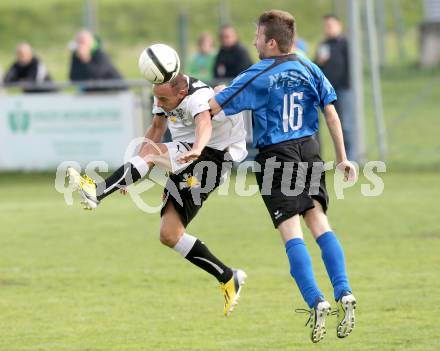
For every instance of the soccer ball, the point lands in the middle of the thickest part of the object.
(159, 63)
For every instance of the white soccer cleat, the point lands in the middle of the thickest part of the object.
(345, 313)
(317, 316)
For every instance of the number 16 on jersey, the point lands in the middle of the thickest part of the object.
(292, 112)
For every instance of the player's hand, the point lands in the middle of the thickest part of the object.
(189, 156)
(123, 191)
(349, 170)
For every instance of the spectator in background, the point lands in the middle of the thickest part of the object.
(202, 63)
(332, 58)
(28, 68)
(232, 58)
(89, 63)
(301, 46)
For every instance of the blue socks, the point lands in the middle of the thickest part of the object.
(333, 257)
(301, 267)
(301, 270)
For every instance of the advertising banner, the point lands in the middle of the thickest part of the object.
(39, 131)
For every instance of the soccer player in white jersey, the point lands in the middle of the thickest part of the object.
(182, 106)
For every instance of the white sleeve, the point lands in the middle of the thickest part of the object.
(156, 110)
(220, 116)
(199, 101)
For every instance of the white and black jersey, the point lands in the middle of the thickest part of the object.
(228, 132)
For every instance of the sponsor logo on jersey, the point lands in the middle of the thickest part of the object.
(189, 181)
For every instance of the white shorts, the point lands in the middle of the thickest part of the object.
(175, 149)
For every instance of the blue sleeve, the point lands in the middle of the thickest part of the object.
(327, 94)
(242, 94)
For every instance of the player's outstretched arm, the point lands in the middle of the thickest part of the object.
(157, 129)
(154, 133)
(213, 104)
(334, 126)
(203, 134)
(215, 107)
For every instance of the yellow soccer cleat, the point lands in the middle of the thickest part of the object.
(231, 290)
(86, 188)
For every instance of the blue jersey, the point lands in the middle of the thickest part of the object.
(284, 94)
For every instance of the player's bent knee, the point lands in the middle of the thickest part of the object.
(149, 150)
(168, 237)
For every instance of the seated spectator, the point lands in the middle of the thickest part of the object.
(90, 63)
(28, 68)
(233, 58)
(202, 63)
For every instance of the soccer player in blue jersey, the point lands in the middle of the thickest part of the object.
(284, 92)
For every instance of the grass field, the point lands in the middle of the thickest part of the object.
(73, 280)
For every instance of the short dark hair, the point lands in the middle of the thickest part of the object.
(331, 16)
(280, 26)
(178, 83)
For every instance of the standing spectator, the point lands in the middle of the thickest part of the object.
(299, 48)
(332, 58)
(27, 68)
(89, 62)
(233, 58)
(202, 63)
